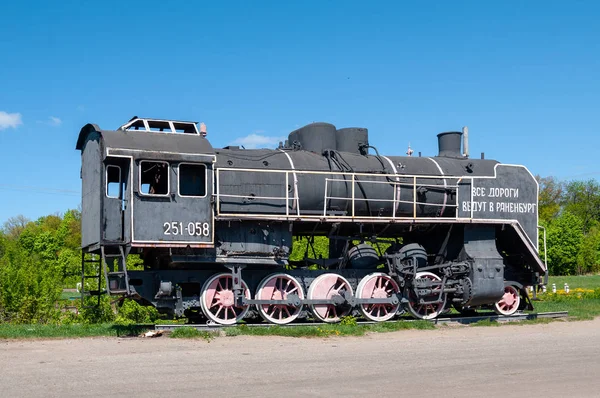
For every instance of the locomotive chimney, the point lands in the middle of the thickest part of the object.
(449, 144)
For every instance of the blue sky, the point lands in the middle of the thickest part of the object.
(523, 75)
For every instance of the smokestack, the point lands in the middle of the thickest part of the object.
(449, 144)
(465, 131)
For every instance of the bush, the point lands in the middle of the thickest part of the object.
(90, 312)
(132, 312)
(564, 238)
(348, 321)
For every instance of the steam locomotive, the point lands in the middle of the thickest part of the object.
(215, 227)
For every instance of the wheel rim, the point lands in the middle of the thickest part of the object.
(218, 299)
(510, 301)
(426, 311)
(279, 287)
(325, 287)
(378, 285)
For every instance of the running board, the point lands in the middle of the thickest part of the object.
(536, 260)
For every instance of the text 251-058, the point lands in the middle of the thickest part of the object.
(191, 228)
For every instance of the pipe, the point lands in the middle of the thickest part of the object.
(465, 131)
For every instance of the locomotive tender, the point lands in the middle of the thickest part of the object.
(215, 227)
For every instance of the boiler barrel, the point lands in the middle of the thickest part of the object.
(331, 189)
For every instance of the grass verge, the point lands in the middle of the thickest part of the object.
(11, 331)
(187, 332)
(582, 303)
(579, 310)
(582, 281)
(326, 330)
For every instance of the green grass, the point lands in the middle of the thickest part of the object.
(579, 308)
(486, 322)
(69, 295)
(490, 322)
(327, 330)
(187, 332)
(581, 305)
(11, 331)
(583, 281)
(584, 309)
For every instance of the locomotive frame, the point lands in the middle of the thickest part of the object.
(473, 252)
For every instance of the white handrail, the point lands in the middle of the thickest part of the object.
(348, 177)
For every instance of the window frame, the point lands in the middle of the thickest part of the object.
(179, 179)
(120, 182)
(160, 195)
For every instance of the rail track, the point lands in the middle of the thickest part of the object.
(457, 319)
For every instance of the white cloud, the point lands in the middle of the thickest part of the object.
(254, 140)
(54, 121)
(8, 120)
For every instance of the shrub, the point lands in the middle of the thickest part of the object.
(132, 312)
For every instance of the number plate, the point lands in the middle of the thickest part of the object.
(183, 228)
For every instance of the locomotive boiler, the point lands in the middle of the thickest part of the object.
(215, 227)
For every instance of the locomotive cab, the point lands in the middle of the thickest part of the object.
(148, 184)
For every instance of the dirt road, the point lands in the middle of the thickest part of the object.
(553, 360)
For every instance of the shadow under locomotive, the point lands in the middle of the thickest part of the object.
(215, 228)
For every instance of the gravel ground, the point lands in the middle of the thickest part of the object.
(551, 360)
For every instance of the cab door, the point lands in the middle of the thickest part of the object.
(116, 172)
(172, 203)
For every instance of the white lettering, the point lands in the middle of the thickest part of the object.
(191, 228)
(475, 206)
(510, 207)
(478, 192)
(503, 192)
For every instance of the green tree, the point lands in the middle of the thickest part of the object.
(302, 248)
(550, 196)
(582, 199)
(14, 225)
(37, 259)
(564, 237)
(588, 258)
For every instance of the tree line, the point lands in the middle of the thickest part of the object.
(570, 212)
(40, 258)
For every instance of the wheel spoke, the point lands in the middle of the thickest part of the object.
(278, 287)
(218, 300)
(430, 310)
(378, 286)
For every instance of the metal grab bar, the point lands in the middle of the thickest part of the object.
(347, 177)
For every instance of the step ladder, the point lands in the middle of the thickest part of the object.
(97, 275)
(112, 264)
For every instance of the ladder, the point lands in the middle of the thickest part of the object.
(112, 264)
(97, 275)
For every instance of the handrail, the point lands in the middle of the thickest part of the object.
(545, 253)
(392, 180)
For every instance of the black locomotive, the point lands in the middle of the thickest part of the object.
(215, 227)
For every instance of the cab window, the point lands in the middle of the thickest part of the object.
(114, 187)
(192, 180)
(154, 178)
